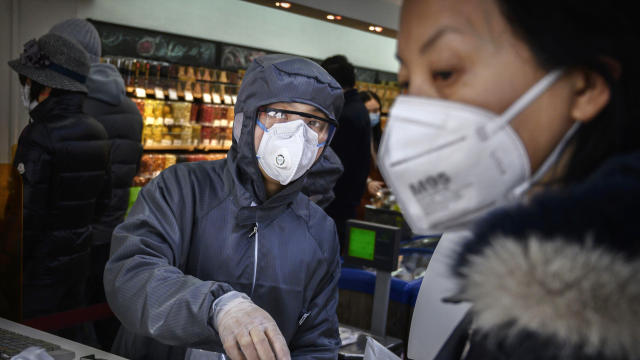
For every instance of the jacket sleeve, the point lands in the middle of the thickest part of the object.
(318, 336)
(144, 284)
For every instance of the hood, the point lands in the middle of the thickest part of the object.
(270, 79)
(105, 84)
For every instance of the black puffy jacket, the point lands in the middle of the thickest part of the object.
(63, 156)
(120, 117)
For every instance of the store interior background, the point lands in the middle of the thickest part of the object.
(230, 21)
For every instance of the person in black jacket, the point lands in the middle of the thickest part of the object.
(63, 157)
(352, 143)
(107, 102)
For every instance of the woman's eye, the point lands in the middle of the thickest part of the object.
(313, 124)
(442, 75)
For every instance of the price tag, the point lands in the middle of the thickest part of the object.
(227, 100)
(141, 93)
(228, 143)
(188, 95)
(168, 121)
(159, 93)
(149, 142)
(149, 120)
(224, 123)
(234, 98)
(216, 123)
(216, 99)
(206, 97)
(173, 94)
(165, 142)
(177, 142)
(206, 142)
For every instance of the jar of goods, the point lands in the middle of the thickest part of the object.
(158, 131)
(186, 134)
(169, 160)
(206, 134)
(196, 138)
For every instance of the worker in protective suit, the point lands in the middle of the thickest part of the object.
(229, 256)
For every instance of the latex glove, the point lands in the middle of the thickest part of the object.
(246, 330)
(33, 353)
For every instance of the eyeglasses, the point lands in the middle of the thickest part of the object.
(321, 126)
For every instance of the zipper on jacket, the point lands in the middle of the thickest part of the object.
(255, 256)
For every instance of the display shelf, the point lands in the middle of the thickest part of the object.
(170, 147)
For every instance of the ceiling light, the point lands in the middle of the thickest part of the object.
(378, 28)
(285, 5)
(372, 28)
(338, 17)
(330, 17)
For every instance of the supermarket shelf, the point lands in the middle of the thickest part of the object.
(185, 148)
(170, 147)
(212, 148)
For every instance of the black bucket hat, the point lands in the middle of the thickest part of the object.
(54, 61)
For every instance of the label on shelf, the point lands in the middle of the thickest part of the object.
(234, 98)
(168, 121)
(217, 99)
(141, 93)
(216, 123)
(188, 95)
(227, 143)
(159, 93)
(149, 142)
(228, 100)
(149, 120)
(231, 123)
(159, 121)
(165, 142)
(206, 97)
(177, 142)
(224, 123)
(206, 142)
(173, 94)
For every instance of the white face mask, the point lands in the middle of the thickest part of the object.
(449, 163)
(287, 150)
(25, 95)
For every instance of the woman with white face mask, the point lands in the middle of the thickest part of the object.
(520, 134)
(372, 103)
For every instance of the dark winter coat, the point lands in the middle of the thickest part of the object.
(559, 278)
(107, 102)
(63, 157)
(352, 144)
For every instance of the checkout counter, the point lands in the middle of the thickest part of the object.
(380, 281)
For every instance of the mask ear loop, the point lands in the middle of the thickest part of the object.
(548, 162)
(525, 100)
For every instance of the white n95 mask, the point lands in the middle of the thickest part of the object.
(287, 150)
(449, 163)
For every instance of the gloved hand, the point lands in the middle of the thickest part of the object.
(247, 331)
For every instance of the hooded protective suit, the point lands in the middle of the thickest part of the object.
(193, 235)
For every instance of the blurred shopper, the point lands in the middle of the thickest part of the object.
(511, 98)
(107, 102)
(372, 103)
(229, 256)
(319, 182)
(63, 158)
(351, 143)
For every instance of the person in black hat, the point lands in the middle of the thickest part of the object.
(62, 156)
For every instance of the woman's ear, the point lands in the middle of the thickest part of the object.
(592, 94)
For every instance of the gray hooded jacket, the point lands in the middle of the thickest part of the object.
(189, 239)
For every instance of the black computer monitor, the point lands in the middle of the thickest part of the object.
(372, 245)
(388, 217)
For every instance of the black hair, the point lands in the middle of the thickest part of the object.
(340, 69)
(367, 95)
(37, 88)
(599, 36)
